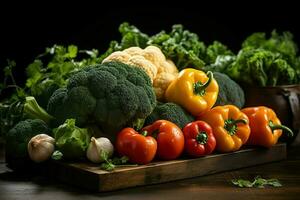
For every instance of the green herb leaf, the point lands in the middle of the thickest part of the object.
(108, 166)
(104, 155)
(242, 183)
(120, 161)
(72, 51)
(258, 182)
(111, 164)
(57, 155)
(274, 182)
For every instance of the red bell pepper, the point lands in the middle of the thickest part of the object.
(199, 139)
(139, 148)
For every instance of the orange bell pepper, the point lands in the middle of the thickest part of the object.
(194, 90)
(230, 127)
(265, 127)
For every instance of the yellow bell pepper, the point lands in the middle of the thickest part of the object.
(194, 90)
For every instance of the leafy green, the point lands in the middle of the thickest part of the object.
(221, 64)
(131, 36)
(9, 82)
(216, 49)
(277, 43)
(57, 155)
(72, 141)
(284, 47)
(258, 182)
(181, 46)
(55, 73)
(111, 164)
(48, 72)
(261, 67)
(108, 164)
(11, 112)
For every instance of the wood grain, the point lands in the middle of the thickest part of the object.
(90, 176)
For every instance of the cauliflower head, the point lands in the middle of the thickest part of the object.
(151, 59)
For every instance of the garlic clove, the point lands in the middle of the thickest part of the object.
(41, 147)
(95, 148)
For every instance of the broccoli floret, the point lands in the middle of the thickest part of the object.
(112, 95)
(44, 95)
(171, 112)
(17, 139)
(229, 91)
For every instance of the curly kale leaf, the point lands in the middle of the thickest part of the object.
(181, 46)
(261, 67)
(282, 44)
(216, 49)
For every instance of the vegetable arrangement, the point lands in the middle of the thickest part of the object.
(146, 98)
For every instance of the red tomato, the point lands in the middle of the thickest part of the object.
(139, 148)
(169, 137)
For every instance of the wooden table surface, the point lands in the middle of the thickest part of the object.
(217, 186)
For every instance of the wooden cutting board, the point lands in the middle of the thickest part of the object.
(90, 176)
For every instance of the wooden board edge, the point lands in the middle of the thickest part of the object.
(166, 172)
(148, 176)
(73, 176)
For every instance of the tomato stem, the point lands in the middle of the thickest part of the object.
(144, 133)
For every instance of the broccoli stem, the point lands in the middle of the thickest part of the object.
(137, 124)
(34, 111)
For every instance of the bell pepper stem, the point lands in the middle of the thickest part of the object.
(137, 124)
(240, 121)
(199, 88)
(202, 138)
(230, 125)
(282, 127)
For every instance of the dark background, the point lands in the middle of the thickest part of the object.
(27, 30)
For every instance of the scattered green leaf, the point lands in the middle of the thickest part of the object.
(111, 164)
(258, 182)
(57, 155)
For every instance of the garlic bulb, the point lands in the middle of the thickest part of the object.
(40, 147)
(98, 145)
